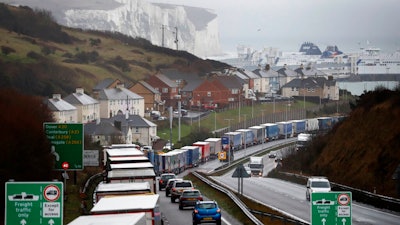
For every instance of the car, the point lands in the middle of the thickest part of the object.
(178, 187)
(272, 155)
(189, 198)
(206, 212)
(317, 184)
(169, 186)
(162, 182)
(161, 118)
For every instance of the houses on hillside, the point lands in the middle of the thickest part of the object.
(116, 110)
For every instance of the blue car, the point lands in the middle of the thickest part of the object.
(206, 212)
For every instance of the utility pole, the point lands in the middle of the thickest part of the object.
(162, 35)
(176, 37)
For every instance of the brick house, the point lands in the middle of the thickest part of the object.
(167, 88)
(152, 97)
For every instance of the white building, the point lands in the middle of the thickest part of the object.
(120, 100)
(63, 112)
(88, 108)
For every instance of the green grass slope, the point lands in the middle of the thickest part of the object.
(40, 57)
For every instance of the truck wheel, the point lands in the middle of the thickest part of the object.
(172, 199)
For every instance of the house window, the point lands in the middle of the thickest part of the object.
(137, 130)
(165, 90)
(208, 93)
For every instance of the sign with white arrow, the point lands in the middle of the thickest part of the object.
(331, 208)
(34, 203)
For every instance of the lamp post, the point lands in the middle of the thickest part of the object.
(229, 124)
(215, 123)
(245, 117)
(262, 116)
(252, 109)
(239, 107)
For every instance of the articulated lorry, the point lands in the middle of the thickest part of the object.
(256, 165)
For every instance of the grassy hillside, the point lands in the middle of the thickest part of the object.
(40, 57)
(363, 150)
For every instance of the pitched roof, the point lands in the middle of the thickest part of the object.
(192, 85)
(230, 82)
(118, 93)
(166, 80)
(285, 71)
(266, 73)
(80, 98)
(174, 74)
(104, 84)
(132, 121)
(58, 104)
(101, 128)
(148, 86)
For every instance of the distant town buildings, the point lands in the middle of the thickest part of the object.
(117, 112)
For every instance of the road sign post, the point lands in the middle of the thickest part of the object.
(66, 144)
(34, 203)
(331, 208)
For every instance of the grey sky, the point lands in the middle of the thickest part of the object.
(288, 23)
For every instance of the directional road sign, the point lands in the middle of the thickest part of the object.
(34, 203)
(66, 144)
(331, 208)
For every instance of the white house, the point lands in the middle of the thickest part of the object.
(63, 112)
(87, 107)
(135, 128)
(120, 100)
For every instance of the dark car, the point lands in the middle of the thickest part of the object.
(169, 185)
(162, 182)
(189, 198)
(206, 212)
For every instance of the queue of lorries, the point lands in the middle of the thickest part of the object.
(128, 195)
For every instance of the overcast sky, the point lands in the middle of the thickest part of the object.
(286, 24)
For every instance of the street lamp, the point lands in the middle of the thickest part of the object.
(215, 123)
(262, 116)
(229, 124)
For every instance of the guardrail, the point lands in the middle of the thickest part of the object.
(376, 200)
(236, 200)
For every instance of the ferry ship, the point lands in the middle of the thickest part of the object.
(372, 62)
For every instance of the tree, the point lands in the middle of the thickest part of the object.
(25, 148)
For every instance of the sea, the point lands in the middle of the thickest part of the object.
(358, 88)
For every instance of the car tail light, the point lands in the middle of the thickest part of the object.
(200, 198)
(218, 210)
(196, 211)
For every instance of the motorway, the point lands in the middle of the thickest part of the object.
(289, 198)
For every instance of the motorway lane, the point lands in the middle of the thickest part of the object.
(174, 216)
(290, 198)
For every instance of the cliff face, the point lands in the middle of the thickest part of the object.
(178, 27)
(197, 28)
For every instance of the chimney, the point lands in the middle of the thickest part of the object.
(57, 97)
(79, 91)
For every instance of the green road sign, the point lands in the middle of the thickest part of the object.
(34, 203)
(66, 144)
(331, 208)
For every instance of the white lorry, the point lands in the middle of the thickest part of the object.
(256, 165)
(302, 141)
